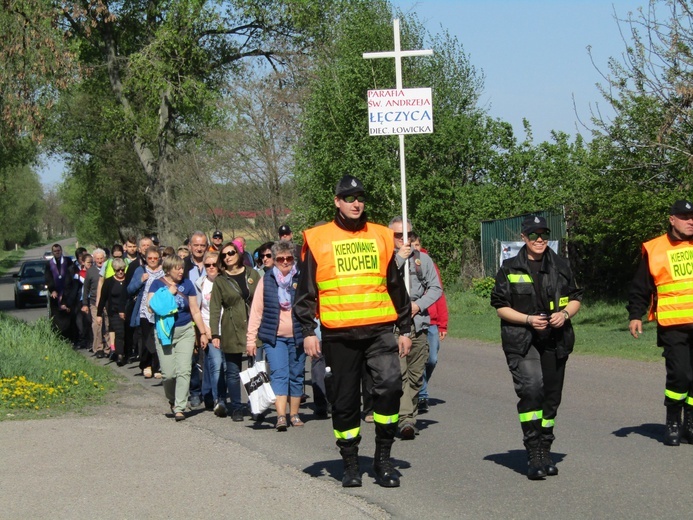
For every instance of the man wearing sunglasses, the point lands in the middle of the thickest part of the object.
(535, 297)
(663, 284)
(424, 291)
(349, 279)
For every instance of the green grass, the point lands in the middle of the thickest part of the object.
(41, 375)
(8, 259)
(601, 329)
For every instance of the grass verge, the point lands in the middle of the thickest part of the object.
(41, 375)
(601, 329)
(8, 259)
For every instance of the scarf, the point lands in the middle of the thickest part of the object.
(144, 308)
(59, 274)
(284, 282)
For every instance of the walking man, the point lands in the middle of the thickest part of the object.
(349, 274)
(664, 284)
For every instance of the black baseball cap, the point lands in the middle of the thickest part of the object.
(218, 234)
(681, 207)
(533, 223)
(284, 230)
(348, 185)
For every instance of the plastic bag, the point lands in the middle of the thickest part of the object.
(257, 386)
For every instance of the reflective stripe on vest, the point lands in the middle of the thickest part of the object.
(349, 434)
(519, 278)
(351, 274)
(531, 416)
(675, 395)
(689, 400)
(385, 419)
(671, 268)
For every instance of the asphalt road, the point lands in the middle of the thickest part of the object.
(127, 459)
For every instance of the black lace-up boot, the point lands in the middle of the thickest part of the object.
(349, 450)
(672, 434)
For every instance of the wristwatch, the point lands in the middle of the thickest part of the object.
(406, 335)
(567, 314)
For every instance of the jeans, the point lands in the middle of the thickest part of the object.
(233, 379)
(212, 382)
(195, 375)
(433, 348)
(287, 365)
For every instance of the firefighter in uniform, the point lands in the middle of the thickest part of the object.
(664, 284)
(350, 280)
(535, 297)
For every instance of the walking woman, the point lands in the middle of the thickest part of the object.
(173, 300)
(142, 316)
(214, 357)
(114, 297)
(535, 297)
(233, 292)
(272, 320)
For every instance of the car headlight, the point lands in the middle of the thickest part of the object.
(25, 287)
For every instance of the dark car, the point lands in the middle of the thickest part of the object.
(30, 284)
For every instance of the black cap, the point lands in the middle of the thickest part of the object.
(284, 230)
(681, 207)
(348, 185)
(533, 223)
(218, 234)
(154, 239)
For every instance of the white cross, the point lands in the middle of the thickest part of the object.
(397, 54)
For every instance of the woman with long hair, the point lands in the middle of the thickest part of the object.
(233, 292)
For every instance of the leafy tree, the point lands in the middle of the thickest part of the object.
(20, 205)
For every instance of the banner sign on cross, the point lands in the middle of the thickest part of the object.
(404, 111)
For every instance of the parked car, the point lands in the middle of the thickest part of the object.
(47, 255)
(30, 284)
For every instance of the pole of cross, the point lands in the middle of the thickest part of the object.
(398, 54)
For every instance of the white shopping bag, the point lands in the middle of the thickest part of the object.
(256, 383)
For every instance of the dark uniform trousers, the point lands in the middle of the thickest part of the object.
(677, 343)
(538, 378)
(346, 359)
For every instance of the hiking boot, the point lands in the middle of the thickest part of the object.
(385, 472)
(352, 473)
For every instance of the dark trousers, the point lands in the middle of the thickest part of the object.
(116, 324)
(538, 379)
(346, 360)
(148, 356)
(317, 381)
(677, 344)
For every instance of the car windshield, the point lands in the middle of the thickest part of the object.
(32, 270)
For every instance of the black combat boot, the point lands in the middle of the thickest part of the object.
(535, 464)
(349, 450)
(672, 434)
(547, 439)
(385, 472)
(687, 432)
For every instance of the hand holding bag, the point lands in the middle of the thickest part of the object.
(256, 383)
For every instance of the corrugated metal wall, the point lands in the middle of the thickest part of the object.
(493, 232)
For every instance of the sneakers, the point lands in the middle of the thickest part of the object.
(100, 354)
(220, 409)
(195, 401)
(407, 432)
(422, 405)
(237, 415)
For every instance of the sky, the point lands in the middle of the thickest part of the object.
(533, 54)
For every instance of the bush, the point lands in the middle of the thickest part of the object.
(483, 286)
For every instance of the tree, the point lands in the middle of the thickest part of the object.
(20, 205)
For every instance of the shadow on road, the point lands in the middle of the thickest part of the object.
(650, 430)
(516, 460)
(335, 468)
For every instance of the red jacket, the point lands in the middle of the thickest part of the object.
(439, 310)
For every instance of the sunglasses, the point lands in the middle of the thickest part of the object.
(210, 265)
(283, 259)
(352, 198)
(119, 270)
(534, 236)
(229, 253)
(399, 236)
(266, 255)
(152, 258)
